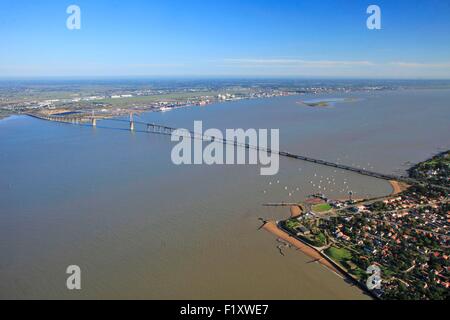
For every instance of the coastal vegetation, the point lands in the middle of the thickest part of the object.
(346, 259)
(435, 170)
(317, 104)
(325, 102)
(305, 232)
(339, 254)
(292, 224)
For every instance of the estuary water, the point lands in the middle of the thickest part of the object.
(112, 202)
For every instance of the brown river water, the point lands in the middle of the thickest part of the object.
(140, 227)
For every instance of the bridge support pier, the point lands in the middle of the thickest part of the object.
(131, 122)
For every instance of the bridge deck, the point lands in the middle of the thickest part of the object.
(159, 129)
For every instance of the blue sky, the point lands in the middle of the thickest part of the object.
(301, 38)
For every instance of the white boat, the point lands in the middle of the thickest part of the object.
(165, 109)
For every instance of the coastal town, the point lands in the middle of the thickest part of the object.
(405, 236)
(114, 99)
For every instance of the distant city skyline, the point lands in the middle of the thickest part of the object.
(194, 38)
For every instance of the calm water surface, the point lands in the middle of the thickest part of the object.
(139, 227)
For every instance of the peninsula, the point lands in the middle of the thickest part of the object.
(405, 234)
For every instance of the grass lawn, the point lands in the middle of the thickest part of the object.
(339, 254)
(319, 208)
(343, 257)
(320, 240)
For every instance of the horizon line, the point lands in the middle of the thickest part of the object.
(217, 76)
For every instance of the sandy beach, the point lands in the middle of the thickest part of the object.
(296, 211)
(272, 227)
(398, 187)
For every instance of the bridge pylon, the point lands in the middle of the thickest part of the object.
(131, 122)
(94, 120)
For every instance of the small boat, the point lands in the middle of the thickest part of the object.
(165, 109)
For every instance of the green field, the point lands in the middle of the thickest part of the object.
(320, 208)
(339, 254)
(344, 257)
(171, 97)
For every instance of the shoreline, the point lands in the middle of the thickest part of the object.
(318, 256)
(272, 227)
(398, 187)
(152, 109)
